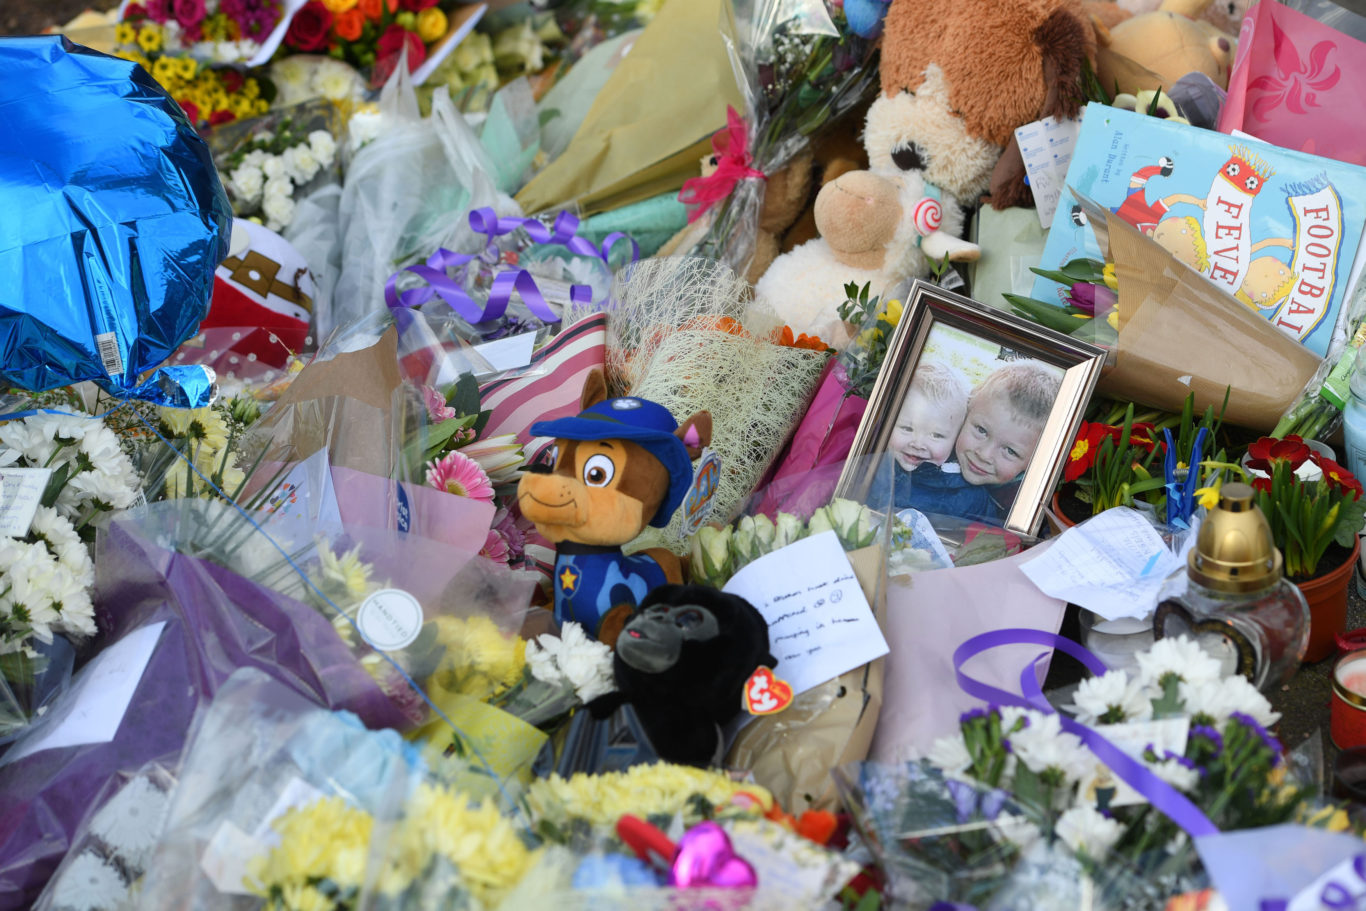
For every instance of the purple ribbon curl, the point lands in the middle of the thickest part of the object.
(1160, 794)
(486, 221)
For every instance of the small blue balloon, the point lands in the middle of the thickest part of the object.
(114, 221)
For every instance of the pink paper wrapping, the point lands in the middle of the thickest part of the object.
(375, 502)
(927, 620)
(810, 467)
(1297, 83)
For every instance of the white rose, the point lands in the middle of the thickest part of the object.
(247, 182)
(279, 210)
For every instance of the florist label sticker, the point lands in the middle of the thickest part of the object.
(21, 490)
(99, 697)
(819, 622)
(390, 619)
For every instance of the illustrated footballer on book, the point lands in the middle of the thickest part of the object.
(1277, 229)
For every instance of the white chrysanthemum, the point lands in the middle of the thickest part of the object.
(89, 884)
(1011, 714)
(541, 663)
(1221, 698)
(1083, 828)
(274, 169)
(247, 182)
(1175, 774)
(32, 440)
(363, 127)
(279, 211)
(950, 754)
(105, 489)
(336, 81)
(585, 663)
(131, 822)
(1181, 656)
(324, 147)
(1021, 831)
(1114, 694)
(1043, 745)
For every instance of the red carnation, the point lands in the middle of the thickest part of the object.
(310, 26)
(390, 46)
(220, 117)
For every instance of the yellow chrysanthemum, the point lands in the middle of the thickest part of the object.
(149, 39)
(643, 790)
(431, 24)
(347, 572)
(164, 70)
(140, 59)
(203, 425)
(326, 839)
(480, 661)
(124, 33)
(483, 845)
(251, 89)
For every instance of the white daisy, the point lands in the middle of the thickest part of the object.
(1221, 698)
(950, 754)
(1083, 828)
(131, 821)
(1181, 656)
(1179, 776)
(1111, 698)
(1043, 745)
(89, 884)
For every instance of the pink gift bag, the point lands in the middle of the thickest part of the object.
(1297, 83)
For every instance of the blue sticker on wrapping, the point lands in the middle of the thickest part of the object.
(115, 221)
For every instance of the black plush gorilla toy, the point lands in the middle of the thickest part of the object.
(682, 660)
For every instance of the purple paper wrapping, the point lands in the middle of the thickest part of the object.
(216, 622)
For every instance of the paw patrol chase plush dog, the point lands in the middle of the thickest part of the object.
(618, 465)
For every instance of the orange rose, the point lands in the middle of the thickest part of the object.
(349, 25)
(372, 9)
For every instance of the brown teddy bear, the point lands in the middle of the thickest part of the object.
(958, 78)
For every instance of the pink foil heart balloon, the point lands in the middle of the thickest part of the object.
(705, 859)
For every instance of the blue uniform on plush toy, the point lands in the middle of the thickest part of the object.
(618, 465)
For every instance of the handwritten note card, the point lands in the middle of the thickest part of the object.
(21, 489)
(92, 710)
(1113, 564)
(819, 622)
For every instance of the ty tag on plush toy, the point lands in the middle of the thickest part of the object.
(765, 693)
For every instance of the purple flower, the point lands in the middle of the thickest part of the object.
(972, 715)
(1271, 743)
(1097, 300)
(964, 798)
(1209, 734)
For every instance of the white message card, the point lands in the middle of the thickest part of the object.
(819, 622)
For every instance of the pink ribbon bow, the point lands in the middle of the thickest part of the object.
(731, 146)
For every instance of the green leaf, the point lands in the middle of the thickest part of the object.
(464, 397)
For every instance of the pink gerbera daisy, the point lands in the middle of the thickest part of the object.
(495, 547)
(459, 474)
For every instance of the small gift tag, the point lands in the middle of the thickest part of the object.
(765, 694)
(698, 502)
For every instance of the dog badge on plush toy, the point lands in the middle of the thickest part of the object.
(617, 466)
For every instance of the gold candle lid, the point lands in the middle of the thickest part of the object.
(1234, 551)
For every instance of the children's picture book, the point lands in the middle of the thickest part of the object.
(1277, 229)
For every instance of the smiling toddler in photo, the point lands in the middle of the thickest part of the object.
(930, 417)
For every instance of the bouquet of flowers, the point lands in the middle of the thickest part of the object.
(221, 31)
(801, 66)
(269, 161)
(1089, 309)
(210, 96)
(370, 35)
(718, 553)
(1012, 806)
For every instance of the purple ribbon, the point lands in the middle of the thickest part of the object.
(1160, 794)
(485, 221)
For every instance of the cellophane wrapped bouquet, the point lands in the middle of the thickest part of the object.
(1014, 811)
(799, 66)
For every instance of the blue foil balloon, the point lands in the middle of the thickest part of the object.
(112, 221)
